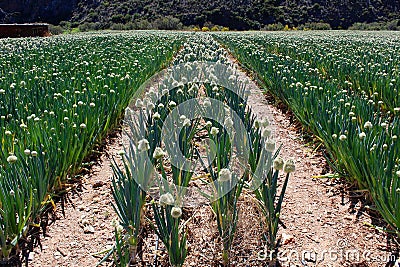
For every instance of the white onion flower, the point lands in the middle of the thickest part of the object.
(182, 118)
(156, 116)
(143, 145)
(228, 123)
(176, 212)
(172, 104)
(82, 126)
(12, 159)
(186, 123)
(342, 137)
(207, 103)
(92, 105)
(362, 135)
(368, 125)
(34, 153)
(266, 133)
(158, 153)
(7, 133)
(289, 166)
(225, 175)
(278, 164)
(398, 174)
(214, 130)
(166, 199)
(265, 123)
(270, 146)
(27, 152)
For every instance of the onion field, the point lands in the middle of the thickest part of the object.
(193, 139)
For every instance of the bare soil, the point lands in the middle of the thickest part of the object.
(325, 223)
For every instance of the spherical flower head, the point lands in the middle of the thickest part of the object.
(214, 130)
(176, 212)
(228, 123)
(7, 133)
(265, 122)
(394, 137)
(207, 103)
(139, 103)
(270, 145)
(12, 159)
(92, 105)
(225, 175)
(150, 106)
(143, 145)
(368, 125)
(27, 152)
(34, 153)
(160, 106)
(119, 228)
(334, 136)
(82, 126)
(266, 133)
(278, 164)
(165, 92)
(342, 137)
(156, 116)
(362, 135)
(158, 153)
(289, 166)
(398, 174)
(172, 104)
(385, 146)
(208, 124)
(182, 118)
(186, 123)
(121, 152)
(166, 199)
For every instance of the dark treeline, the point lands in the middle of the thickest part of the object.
(235, 14)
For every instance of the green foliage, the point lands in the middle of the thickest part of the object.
(393, 25)
(167, 23)
(319, 26)
(61, 114)
(274, 27)
(56, 30)
(351, 106)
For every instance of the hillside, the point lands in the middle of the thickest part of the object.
(236, 14)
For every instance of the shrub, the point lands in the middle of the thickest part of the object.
(142, 24)
(274, 27)
(317, 26)
(392, 25)
(55, 29)
(167, 23)
(117, 27)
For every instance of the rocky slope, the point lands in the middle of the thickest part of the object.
(236, 14)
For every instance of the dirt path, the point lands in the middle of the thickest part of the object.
(316, 217)
(86, 227)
